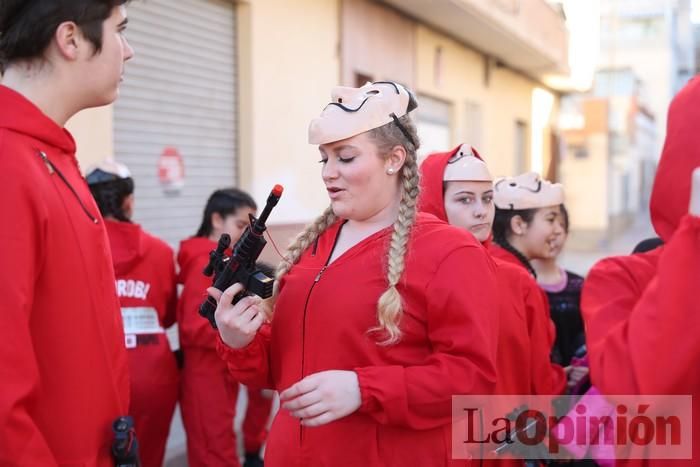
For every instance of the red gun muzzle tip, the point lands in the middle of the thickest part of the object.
(277, 190)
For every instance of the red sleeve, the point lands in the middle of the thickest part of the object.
(462, 329)
(631, 324)
(251, 364)
(21, 441)
(547, 377)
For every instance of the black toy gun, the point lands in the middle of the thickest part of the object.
(240, 267)
(125, 447)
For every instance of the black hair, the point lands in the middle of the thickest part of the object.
(648, 245)
(28, 26)
(565, 217)
(223, 202)
(502, 228)
(110, 196)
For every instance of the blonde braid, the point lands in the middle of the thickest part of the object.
(389, 306)
(300, 244)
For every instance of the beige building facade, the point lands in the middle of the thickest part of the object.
(608, 161)
(479, 69)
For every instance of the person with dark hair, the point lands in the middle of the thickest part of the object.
(527, 218)
(208, 393)
(372, 329)
(63, 364)
(564, 293)
(528, 226)
(648, 244)
(144, 267)
(457, 187)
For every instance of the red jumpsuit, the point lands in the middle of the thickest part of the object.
(321, 320)
(64, 376)
(642, 311)
(526, 333)
(526, 330)
(208, 392)
(144, 267)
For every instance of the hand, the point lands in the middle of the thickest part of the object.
(323, 397)
(237, 323)
(575, 374)
(695, 193)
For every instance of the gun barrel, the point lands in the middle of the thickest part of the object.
(272, 201)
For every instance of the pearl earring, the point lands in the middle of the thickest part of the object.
(390, 171)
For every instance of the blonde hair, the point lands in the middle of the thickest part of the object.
(389, 306)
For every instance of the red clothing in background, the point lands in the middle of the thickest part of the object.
(144, 267)
(641, 311)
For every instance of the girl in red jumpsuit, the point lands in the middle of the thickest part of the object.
(642, 311)
(144, 268)
(458, 188)
(373, 329)
(208, 392)
(529, 225)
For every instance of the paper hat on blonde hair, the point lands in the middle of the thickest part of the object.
(355, 110)
(526, 191)
(466, 165)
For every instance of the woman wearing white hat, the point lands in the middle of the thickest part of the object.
(373, 329)
(529, 225)
(457, 187)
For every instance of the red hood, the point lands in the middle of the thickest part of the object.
(28, 119)
(681, 154)
(431, 172)
(128, 245)
(193, 248)
(432, 199)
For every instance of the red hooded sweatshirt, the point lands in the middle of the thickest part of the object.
(144, 267)
(321, 320)
(208, 392)
(640, 310)
(194, 330)
(526, 332)
(63, 366)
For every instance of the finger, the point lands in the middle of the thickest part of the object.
(319, 420)
(311, 411)
(231, 292)
(250, 311)
(257, 321)
(307, 384)
(305, 400)
(214, 293)
(567, 369)
(243, 311)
